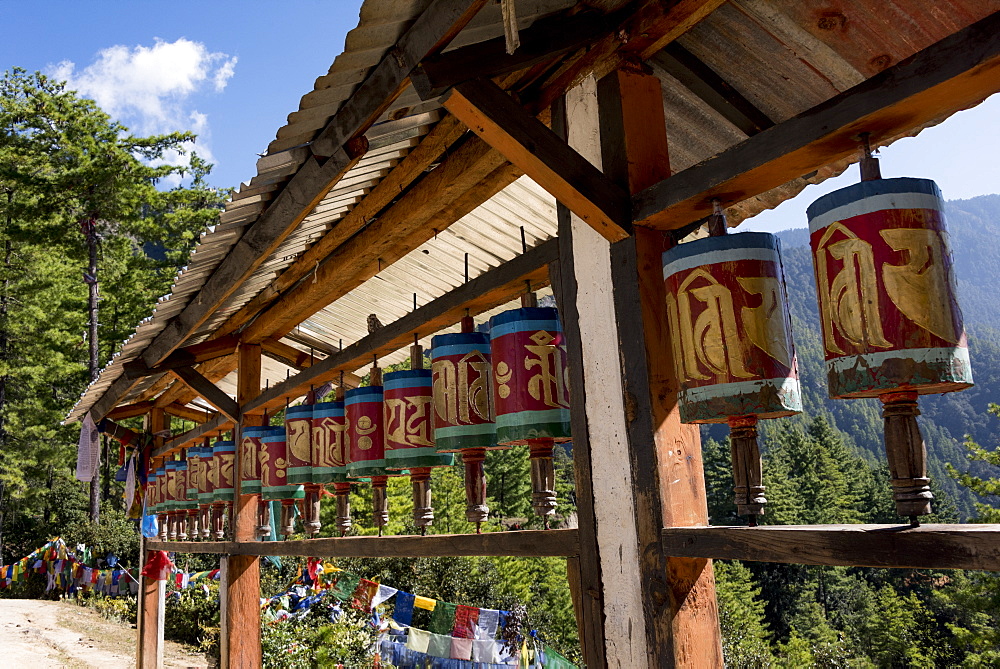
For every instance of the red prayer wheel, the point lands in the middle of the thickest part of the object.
(892, 327)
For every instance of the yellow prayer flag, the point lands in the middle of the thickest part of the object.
(424, 603)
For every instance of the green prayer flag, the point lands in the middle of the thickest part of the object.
(443, 618)
(347, 583)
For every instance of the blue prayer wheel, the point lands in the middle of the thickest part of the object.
(298, 437)
(464, 417)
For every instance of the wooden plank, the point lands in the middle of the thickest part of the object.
(116, 431)
(285, 354)
(399, 229)
(492, 288)
(682, 619)
(546, 39)
(434, 28)
(207, 390)
(937, 546)
(712, 89)
(953, 74)
(129, 410)
(187, 413)
(538, 152)
(212, 428)
(183, 357)
(447, 131)
(150, 618)
(525, 543)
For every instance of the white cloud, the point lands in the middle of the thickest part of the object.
(152, 89)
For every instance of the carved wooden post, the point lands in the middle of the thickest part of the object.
(241, 579)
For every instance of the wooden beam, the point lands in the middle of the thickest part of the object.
(492, 288)
(130, 410)
(207, 390)
(402, 227)
(892, 546)
(525, 543)
(538, 152)
(711, 89)
(187, 413)
(682, 619)
(212, 428)
(116, 431)
(285, 354)
(544, 40)
(183, 357)
(954, 74)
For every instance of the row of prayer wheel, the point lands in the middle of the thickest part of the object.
(891, 325)
(483, 392)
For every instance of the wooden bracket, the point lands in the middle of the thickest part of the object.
(193, 379)
(183, 357)
(541, 154)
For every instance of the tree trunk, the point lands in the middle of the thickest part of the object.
(4, 354)
(95, 483)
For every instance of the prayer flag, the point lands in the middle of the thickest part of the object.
(383, 594)
(443, 619)
(424, 603)
(418, 640)
(347, 582)
(403, 613)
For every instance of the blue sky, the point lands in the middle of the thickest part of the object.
(233, 72)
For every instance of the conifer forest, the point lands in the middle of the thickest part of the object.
(94, 224)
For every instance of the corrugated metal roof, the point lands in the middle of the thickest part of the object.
(784, 56)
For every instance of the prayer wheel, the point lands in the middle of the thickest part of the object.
(732, 344)
(892, 327)
(298, 437)
(184, 504)
(331, 451)
(161, 501)
(366, 435)
(170, 499)
(206, 488)
(409, 432)
(531, 391)
(464, 419)
(274, 484)
(152, 494)
(194, 471)
(251, 442)
(224, 489)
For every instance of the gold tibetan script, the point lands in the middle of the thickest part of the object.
(456, 398)
(365, 427)
(226, 467)
(712, 339)
(921, 288)
(299, 432)
(765, 325)
(328, 442)
(266, 473)
(849, 303)
(408, 420)
(549, 384)
(248, 460)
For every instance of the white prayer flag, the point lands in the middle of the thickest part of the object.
(88, 453)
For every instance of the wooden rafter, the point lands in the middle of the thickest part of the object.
(538, 152)
(953, 74)
(130, 410)
(212, 394)
(183, 357)
(899, 546)
(711, 88)
(188, 413)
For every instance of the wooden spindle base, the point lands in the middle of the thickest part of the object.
(476, 510)
(163, 526)
(543, 479)
(423, 508)
(342, 492)
(219, 521)
(182, 534)
(192, 521)
(748, 478)
(206, 522)
(263, 529)
(380, 502)
(287, 518)
(311, 519)
(907, 455)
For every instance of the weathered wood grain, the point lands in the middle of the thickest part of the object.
(953, 74)
(207, 390)
(936, 546)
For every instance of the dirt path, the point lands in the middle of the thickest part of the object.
(44, 635)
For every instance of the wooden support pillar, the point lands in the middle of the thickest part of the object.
(241, 574)
(150, 611)
(682, 626)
